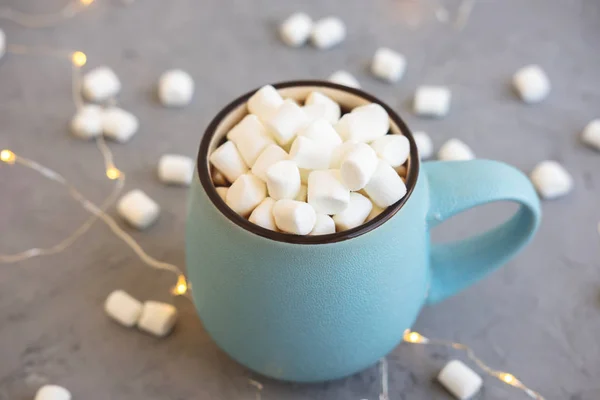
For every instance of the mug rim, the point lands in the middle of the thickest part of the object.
(205, 178)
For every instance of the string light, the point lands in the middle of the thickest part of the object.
(7, 156)
(113, 173)
(86, 2)
(79, 59)
(181, 287)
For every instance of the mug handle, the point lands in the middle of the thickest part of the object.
(456, 186)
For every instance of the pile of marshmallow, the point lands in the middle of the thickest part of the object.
(307, 169)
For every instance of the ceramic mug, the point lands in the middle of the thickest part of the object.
(314, 308)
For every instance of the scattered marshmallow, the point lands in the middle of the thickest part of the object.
(87, 122)
(551, 180)
(175, 88)
(591, 134)
(460, 380)
(432, 101)
(222, 192)
(227, 159)
(328, 32)
(322, 132)
(52, 392)
(295, 30)
(310, 154)
(269, 156)
(393, 149)
(100, 84)
(532, 84)
(424, 145)
(265, 102)
(332, 109)
(302, 193)
(139, 210)
(326, 192)
(263, 214)
(157, 318)
(2, 43)
(355, 214)
(324, 225)
(118, 124)
(455, 150)
(293, 216)
(338, 154)
(388, 65)
(245, 194)
(364, 123)
(385, 187)
(344, 78)
(175, 169)
(250, 138)
(375, 211)
(219, 179)
(283, 180)
(358, 166)
(286, 121)
(123, 308)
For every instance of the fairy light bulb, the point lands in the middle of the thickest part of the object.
(507, 378)
(7, 156)
(413, 337)
(86, 2)
(181, 287)
(79, 58)
(113, 173)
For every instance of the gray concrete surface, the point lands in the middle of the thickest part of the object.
(539, 317)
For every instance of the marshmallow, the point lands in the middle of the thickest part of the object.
(432, 101)
(295, 30)
(87, 122)
(532, 84)
(100, 84)
(2, 43)
(265, 102)
(338, 153)
(375, 211)
(344, 78)
(332, 109)
(227, 159)
(283, 180)
(302, 193)
(385, 187)
(304, 173)
(287, 120)
(52, 392)
(263, 214)
(460, 380)
(328, 32)
(157, 318)
(355, 214)
(393, 149)
(245, 194)
(118, 124)
(323, 133)
(314, 112)
(250, 138)
(139, 210)
(424, 145)
(222, 192)
(175, 88)
(293, 216)
(175, 169)
(324, 225)
(551, 180)
(326, 192)
(310, 154)
(123, 308)
(358, 166)
(455, 150)
(591, 134)
(388, 65)
(219, 179)
(364, 123)
(269, 156)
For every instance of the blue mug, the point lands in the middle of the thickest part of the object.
(315, 308)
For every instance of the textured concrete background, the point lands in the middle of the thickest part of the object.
(538, 317)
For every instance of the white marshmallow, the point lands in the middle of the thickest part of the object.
(269, 156)
(591, 134)
(364, 123)
(460, 380)
(432, 101)
(250, 138)
(551, 180)
(355, 214)
(293, 216)
(393, 149)
(324, 225)
(219, 179)
(118, 124)
(52, 392)
(304, 174)
(344, 78)
(228, 160)
(323, 133)
(286, 122)
(175, 169)
(302, 194)
(385, 187)
(263, 214)
(175, 88)
(123, 308)
(339, 152)
(222, 191)
(245, 194)
(328, 32)
(157, 318)
(139, 210)
(332, 109)
(283, 180)
(87, 122)
(314, 112)
(388, 65)
(2, 43)
(455, 150)
(295, 30)
(310, 154)
(358, 166)
(100, 84)
(375, 211)
(326, 192)
(424, 145)
(532, 84)
(265, 102)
